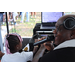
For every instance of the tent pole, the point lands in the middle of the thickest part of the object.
(7, 23)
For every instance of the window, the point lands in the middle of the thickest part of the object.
(22, 22)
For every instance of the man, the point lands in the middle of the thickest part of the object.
(64, 39)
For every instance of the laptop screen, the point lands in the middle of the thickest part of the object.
(48, 19)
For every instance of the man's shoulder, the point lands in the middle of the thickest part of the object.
(56, 55)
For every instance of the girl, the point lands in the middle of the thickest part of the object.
(13, 44)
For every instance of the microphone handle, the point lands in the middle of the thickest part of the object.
(49, 38)
(40, 42)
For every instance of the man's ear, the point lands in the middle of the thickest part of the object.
(73, 34)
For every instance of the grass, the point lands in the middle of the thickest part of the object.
(26, 28)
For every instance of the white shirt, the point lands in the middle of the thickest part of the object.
(18, 57)
(15, 14)
(68, 43)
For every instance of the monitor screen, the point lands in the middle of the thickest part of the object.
(51, 16)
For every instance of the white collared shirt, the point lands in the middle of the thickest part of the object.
(68, 43)
(18, 57)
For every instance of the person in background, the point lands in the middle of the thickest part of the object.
(4, 18)
(15, 16)
(22, 16)
(27, 17)
(1, 17)
(33, 13)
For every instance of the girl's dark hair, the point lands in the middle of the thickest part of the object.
(13, 41)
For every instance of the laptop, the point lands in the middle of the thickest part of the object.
(48, 19)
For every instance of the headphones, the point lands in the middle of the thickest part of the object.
(69, 23)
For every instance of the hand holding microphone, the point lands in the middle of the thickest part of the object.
(49, 38)
(48, 42)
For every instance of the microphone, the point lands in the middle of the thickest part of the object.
(49, 38)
